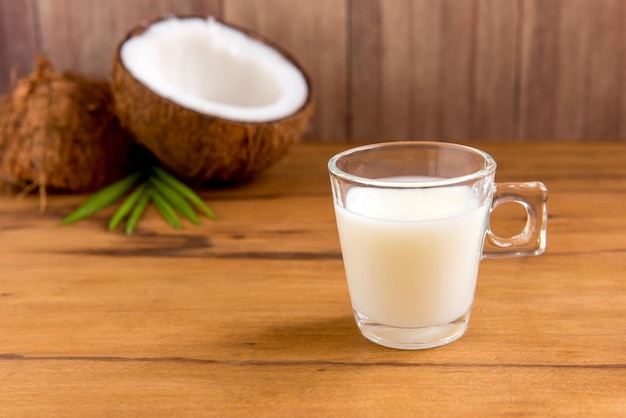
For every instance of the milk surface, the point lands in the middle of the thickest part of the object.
(411, 256)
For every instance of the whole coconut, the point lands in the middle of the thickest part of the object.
(58, 132)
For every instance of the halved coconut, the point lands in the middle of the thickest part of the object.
(211, 101)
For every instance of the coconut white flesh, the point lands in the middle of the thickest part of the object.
(214, 69)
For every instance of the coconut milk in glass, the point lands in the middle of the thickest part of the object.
(412, 220)
(411, 256)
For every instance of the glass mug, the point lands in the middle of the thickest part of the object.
(413, 223)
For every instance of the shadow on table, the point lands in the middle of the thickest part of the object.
(309, 340)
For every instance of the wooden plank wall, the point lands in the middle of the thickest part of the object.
(388, 69)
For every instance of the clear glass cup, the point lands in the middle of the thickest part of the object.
(413, 223)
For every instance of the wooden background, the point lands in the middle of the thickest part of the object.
(388, 69)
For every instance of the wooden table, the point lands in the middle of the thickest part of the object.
(250, 315)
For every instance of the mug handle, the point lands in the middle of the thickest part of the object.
(532, 239)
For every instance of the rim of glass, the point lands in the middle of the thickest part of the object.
(490, 165)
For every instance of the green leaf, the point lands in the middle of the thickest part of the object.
(102, 198)
(176, 199)
(127, 206)
(138, 210)
(184, 190)
(165, 209)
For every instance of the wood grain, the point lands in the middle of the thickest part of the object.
(433, 70)
(82, 35)
(387, 70)
(572, 70)
(18, 41)
(330, 390)
(494, 105)
(365, 73)
(250, 315)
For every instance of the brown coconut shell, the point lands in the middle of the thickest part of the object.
(199, 147)
(59, 132)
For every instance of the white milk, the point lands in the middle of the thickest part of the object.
(411, 256)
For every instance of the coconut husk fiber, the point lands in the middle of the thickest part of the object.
(58, 132)
(197, 147)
